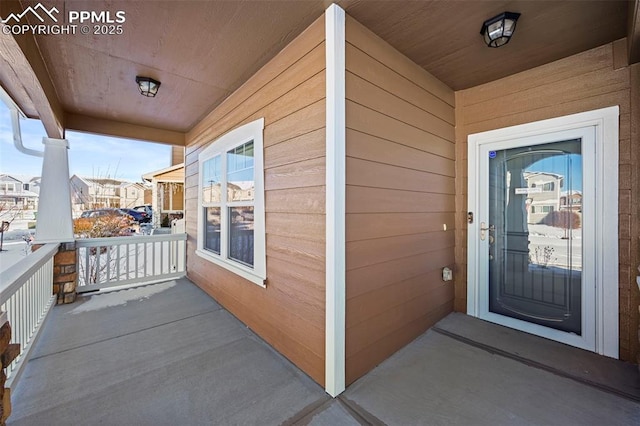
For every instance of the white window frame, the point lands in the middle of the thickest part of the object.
(5, 186)
(249, 132)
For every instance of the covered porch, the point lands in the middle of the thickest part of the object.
(169, 354)
(361, 208)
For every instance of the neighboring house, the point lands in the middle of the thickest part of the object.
(17, 191)
(543, 195)
(356, 160)
(571, 200)
(133, 194)
(167, 199)
(94, 193)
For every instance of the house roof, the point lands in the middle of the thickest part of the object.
(149, 176)
(102, 181)
(20, 178)
(19, 194)
(203, 51)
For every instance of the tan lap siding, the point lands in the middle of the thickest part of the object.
(289, 93)
(399, 199)
(579, 83)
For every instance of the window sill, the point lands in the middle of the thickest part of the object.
(230, 266)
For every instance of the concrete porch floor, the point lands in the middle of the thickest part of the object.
(167, 354)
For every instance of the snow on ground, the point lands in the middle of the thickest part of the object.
(121, 297)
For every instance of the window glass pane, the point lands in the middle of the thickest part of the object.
(240, 179)
(211, 176)
(241, 235)
(212, 229)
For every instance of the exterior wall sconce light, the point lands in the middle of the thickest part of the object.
(148, 86)
(498, 30)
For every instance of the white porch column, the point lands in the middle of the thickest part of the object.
(54, 222)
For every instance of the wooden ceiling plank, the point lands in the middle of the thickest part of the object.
(22, 55)
(633, 34)
(83, 123)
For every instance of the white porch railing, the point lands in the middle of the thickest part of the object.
(116, 261)
(26, 296)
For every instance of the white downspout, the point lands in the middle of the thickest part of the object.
(17, 135)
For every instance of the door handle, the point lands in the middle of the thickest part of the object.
(484, 228)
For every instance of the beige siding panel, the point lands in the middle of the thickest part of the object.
(289, 93)
(191, 194)
(296, 175)
(370, 252)
(297, 124)
(364, 280)
(192, 180)
(302, 85)
(555, 72)
(378, 175)
(362, 92)
(302, 226)
(365, 360)
(260, 322)
(387, 79)
(306, 93)
(369, 305)
(368, 147)
(376, 200)
(371, 122)
(576, 84)
(297, 49)
(380, 225)
(593, 84)
(298, 200)
(400, 200)
(307, 253)
(304, 147)
(374, 46)
(366, 333)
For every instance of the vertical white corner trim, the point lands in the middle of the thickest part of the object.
(335, 202)
(54, 223)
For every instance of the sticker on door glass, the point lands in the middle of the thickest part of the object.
(528, 190)
(492, 154)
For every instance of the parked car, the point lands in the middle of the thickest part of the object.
(146, 208)
(139, 216)
(92, 214)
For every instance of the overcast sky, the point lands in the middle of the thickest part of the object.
(89, 155)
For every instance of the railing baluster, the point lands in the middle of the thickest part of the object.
(128, 257)
(87, 279)
(136, 250)
(163, 257)
(153, 261)
(109, 264)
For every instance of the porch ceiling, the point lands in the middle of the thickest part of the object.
(202, 51)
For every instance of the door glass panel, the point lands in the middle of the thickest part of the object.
(535, 235)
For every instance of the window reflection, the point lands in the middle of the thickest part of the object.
(212, 229)
(240, 179)
(211, 176)
(241, 234)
